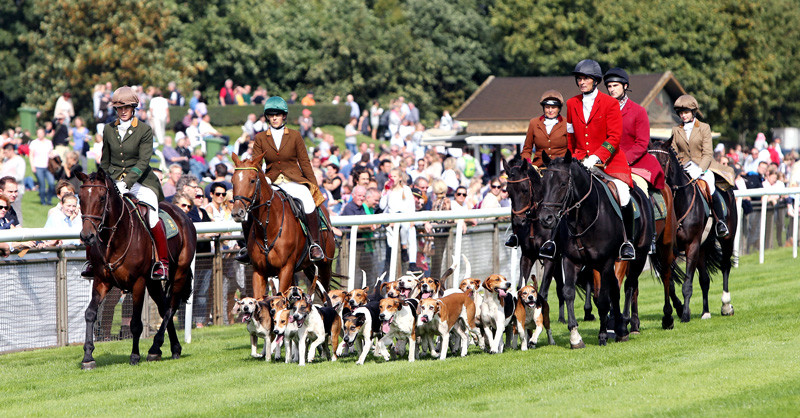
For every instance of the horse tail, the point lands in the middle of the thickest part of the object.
(335, 281)
(713, 256)
(678, 274)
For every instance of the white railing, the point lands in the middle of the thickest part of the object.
(763, 193)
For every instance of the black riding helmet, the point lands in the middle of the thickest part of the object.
(589, 68)
(616, 74)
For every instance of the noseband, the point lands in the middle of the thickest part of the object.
(526, 211)
(563, 209)
(249, 206)
(252, 204)
(100, 226)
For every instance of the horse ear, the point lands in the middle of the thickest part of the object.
(505, 164)
(101, 174)
(81, 176)
(236, 161)
(546, 158)
(525, 164)
(669, 142)
(568, 156)
(257, 159)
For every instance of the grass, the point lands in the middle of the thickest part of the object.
(745, 365)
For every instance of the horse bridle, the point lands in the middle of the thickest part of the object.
(250, 200)
(99, 227)
(252, 205)
(563, 209)
(676, 188)
(526, 211)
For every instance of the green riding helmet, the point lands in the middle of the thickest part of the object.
(276, 105)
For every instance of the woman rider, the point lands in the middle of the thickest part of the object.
(289, 168)
(691, 140)
(546, 133)
(127, 148)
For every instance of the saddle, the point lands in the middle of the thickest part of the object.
(613, 197)
(705, 192)
(142, 209)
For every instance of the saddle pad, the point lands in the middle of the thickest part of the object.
(169, 224)
(611, 198)
(659, 206)
(706, 208)
(636, 211)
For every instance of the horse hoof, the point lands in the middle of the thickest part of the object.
(88, 365)
(635, 332)
(578, 345)
(622, 339)
(135, 359)
(562, 320)
(154, 357)
(588, 317)
(602, 342)
(176, 356)
(706, 315)
(728, 311)
(667, 323)
(686, 317)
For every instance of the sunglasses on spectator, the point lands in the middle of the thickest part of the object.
(504, 191)
(185, 205)
(461, 194)
(496, 186)
(3, 207)
(219, 194)
(198, 196)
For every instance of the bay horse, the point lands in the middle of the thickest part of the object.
(121, 251)
(525, 191)
(275, 239)
(706, 255)
(590, 241)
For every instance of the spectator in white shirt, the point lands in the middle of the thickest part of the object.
(65, 220)
(158, 115)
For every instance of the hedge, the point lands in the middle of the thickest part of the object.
(323, 114)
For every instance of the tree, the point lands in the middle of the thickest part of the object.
(16, 20)
(85, 42)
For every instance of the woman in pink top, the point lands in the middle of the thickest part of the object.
(40, 155)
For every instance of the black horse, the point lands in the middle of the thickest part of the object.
(704, 251)
(590, 241)
(525, 190)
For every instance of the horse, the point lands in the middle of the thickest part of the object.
(524, 189)
(121, 251)
(706, 255)
(590, 240)
(275, 239)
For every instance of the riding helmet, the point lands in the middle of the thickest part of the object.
(686, 102)
(616, 74)
(552, 98)
(590, 68)
(124, 96)
(275, 105)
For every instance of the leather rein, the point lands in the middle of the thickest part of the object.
(563, 209)
(252, 205)
(100, 226)
(676, 188)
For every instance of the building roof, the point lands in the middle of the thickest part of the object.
(517, 98)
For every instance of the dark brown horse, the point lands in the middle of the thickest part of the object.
(122, 255)
(704, 254)
(275, 240)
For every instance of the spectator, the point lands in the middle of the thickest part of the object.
(64, 107)
(395, 119)
(202, 278)
(492, 199)
(246, 96)
(332, 182)
(184, 152)
(40, 149)
(96, 152)
(260, 95)
(362, 177)
(336, 100)
(413, 114)
(450, 176)
(361, 205)
(238, 95)
(13, 166)
(292, 97)
(220, 177)
(196, 98)
(423, 185)
(193, 134)
(751, 161)
(10, 189)
(249, 127)
(308, 100)
(99, 89)
(5, 221)
(170, 187)
(60, 136)
(69, 170)
(375, 112)
(363, 124)
(397, 198)
(384, 172)
(216, 205)
(350, 135)
(66, 219)
(158, 115)
(434, 170)
(446, 122)
(206, 130)
(459, 202)
(226, 94)
(80, 139)
(306, 123)
(355, 110)
(175, 97)
(220, 158)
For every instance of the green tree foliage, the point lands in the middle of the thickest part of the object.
(16, 20)
(84, 42)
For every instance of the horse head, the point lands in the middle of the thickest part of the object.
(560, 181)
(668, 160)
(519, 185)
(246, 180)
(95, 195)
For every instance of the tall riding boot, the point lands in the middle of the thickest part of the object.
(88, 270)
(313, 223)
(161, 271)
(512, 241)
(653, 225)
(242, 256)
(626, 251)
(719, 214)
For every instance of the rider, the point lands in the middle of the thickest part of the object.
(594, 130)
(692, 142)
(289, 168)
(127, 148)
(546, 133)
(645, 169)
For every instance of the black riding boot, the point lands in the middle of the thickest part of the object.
(313, 223)
(626, 251)
(548, 249)
(719, 214)
(653, 225)
(242, 256)
(88, 270)
(512, 241)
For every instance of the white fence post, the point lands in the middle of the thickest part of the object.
(762, 232)
(188, 318)
(351, 262)
(737, 240)
(457, 252)
(395, 250)
(794, 235)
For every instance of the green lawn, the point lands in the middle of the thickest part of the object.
(745, 365)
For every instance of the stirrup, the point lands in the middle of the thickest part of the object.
(512, 241)
(627, 252)
(158, 265)
(242, 256)
(311, 252)
(548, 250)
(652, 247)
(722, 229)
(86, 271)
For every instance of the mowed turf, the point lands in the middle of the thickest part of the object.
(745, 365)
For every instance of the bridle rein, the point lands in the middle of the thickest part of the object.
(562, 206)
(100, 226)
(252, 205)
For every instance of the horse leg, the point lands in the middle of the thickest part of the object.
(727, 308)
(603, 302)
(665, 257)
(285, 277)
(136, 319)
(260, 284)
(157, 294)
(705, 283)
(587, 302)
(525, 266)
(99, 291)
(621, 330)
(550, 272)
(692, 256)
(570, 272)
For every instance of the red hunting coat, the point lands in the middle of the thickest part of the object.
(600, 135)
(634, 142)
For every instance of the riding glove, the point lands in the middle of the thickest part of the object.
(693, 170)
(590, 161)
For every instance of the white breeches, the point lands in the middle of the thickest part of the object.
(692, 169)
(408, 237)
(708, 176)
(145, 195)
(622, 189)
(301, 192)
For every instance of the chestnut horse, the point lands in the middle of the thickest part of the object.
(122, 255)
(275, 240)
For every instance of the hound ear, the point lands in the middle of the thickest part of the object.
(436, 281)
(279, 294)
(309, 299)
(365, 288)
(439, 305)
(362, 318)
(419, 309)
(546, 158)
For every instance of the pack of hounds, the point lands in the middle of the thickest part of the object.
(413, 316)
